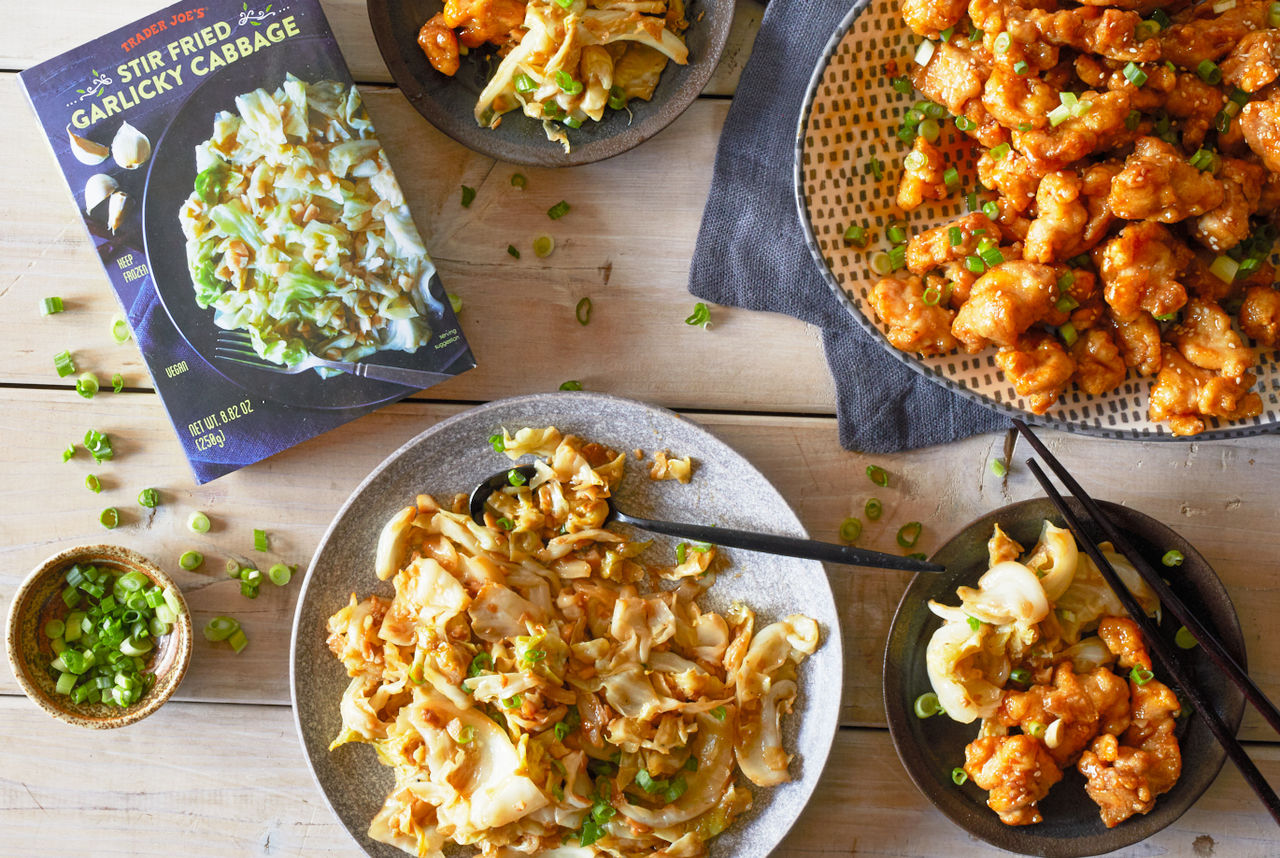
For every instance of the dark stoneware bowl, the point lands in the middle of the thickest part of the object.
(932, 747)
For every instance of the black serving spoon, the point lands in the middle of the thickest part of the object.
(788, 546)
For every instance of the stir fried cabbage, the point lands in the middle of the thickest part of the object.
(536, 692)
(298, 233)
(577, 58)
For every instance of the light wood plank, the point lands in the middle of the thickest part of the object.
(626, 244)
(232, 781)
(1216, 495)
(68, 23)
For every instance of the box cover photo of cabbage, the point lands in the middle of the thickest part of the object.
(249, 223)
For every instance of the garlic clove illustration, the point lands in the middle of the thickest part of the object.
(115, 209)
(130, 148)
(85, 150)
(99, 187)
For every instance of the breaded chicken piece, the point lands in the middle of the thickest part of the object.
(1259, 122)
(1116, 779)
(1157, 183)
(914, 326)
(1060, 219)
(1016, 770)
(1199, 35)
(1099, 364)
(1205, 337)
(1140, 270)
(1088, 29)
(1139, 341)
(1123, 637)
(1195, 104)
(1017, 99)
(1013, 176)
(933, 248)
(1070, 712)
(1094, 130)
(1254, 62)
(1184, 394)
(1004, 302)
(930, 17)
(1260, 315)
(1227, 225)
(1038, 367)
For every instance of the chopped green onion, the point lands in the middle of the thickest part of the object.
(1184, 639)
(998, 153)
(700, 317)
(54, 629)
(198, 522)
(279, 574)
(1273, 16)
(191, 560)
(959, 776)
(1141, 676)
(955, 236)
(233, 567)
(1035, 728)
(99, 445)
(617, 98)
(1162, 18)
(880, 263)
(518, 180)
(930, 130)
(1020, 67)
(109, 517)
(87, 385)
(49, 306)
(855, 235)
(92, 483)
(975, 264)
(571, 384)
(850, 529)
(117, 383)
(898, 257)
(1068, 334)
(999, 468)
(927, 705)
(951, 178)
(878, 475)
(991, 210)
(497, 443)
(238, 640)
(902, 84)
(260, 540)
(1059, 115)
(1133, 120)
(543, 245)
(1066, 281)
(1209, 72)
(976, 35)
(63, 363)
(1172, 557)
(896, 234)
(1066, 304)
(974, 623)
(946, 34)
(924, 53)
(915, 161)
(524, 83)
(932, 295)
(506, 523)
(1145, 30)
(567, 84)
(873, 509)
(468, 196)
(150, 498)
(515, 478)
(1020, 675)
(582, 312)
(558, 211)
(120, 330)
(964, 123)
(909, 534)
(874, 166)
(1134, 74)
(69, 453)
(1224, 268)
(719, 713)
(1002, 43)
(1205, 160)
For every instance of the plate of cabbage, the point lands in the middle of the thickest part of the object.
(1021, 698)
(296, 234)
(547, 683)
(551, 82)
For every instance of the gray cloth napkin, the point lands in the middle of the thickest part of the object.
(751, 250)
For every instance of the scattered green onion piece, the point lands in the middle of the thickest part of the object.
(924, 53)
(873, 509)
(1066, 304)
(558, 211)
(1068, 334)
(1209, 72)
(524, 83)
(497, 443)
(87, 385)
(233, 567)
(571, 384)
(54, 629)
(898, 257)
(567, 84)
(582, 312)
(976, 35)
(951, 178)
(999, 152)
(1172, 557)
(955, 236)
(719, 713)
(932, 295)
(896, 234)
(1205, 160)
(1273, 16)
(1134, 74)
(959, 776)
(1059, 115)
(850, 529)
(964, 123)
(260, 540)
(573, 121)
(279, 574)
(930, 130)
(909, 534)
(506, 523)
(1141, 676)
(518, 181)
(1021, 67)
(974, 623)
(515, 478)
(238, 640)
(49, 306)
(1224, 268)
(880, 263)
(1020, 675)
(999, 468)
(109, 517)
(117, 383)
(946, 34)
(1133, 120)
(468, 196)
(1223, 5)
(511, 251)
(63, 363)
(902, 84)
(1002, 43)
(191, 560)
(878, 475)
(700, 317)
(617, 98)
(92, 483)
(991, 210)
(198, 522)
(927, 705)
(69, 453)
(855, 235)
(1035, 728)
(1066, 281)
(120, 330)
(99, 445)
(543, 245)
(1162, 18)
(1145, 30)
(150, 498)
(1184, 639)
(975, 264)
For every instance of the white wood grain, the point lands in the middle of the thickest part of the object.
(232, 781)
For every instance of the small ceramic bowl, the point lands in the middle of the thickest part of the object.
(38, 600)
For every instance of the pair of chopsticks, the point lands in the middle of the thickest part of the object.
(1159, 647)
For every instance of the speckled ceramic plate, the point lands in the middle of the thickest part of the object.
(851, 114)
(449, 103)
(453, 456)
(932, 747)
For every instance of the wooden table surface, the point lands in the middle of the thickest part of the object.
(219, 770)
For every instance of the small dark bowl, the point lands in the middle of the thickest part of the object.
(448, 102)
(930, 748)
(30, 654)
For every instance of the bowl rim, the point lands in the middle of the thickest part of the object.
(663, 114)
(117, 556)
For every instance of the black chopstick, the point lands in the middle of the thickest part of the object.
(1166, 657)
(1208, 641)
